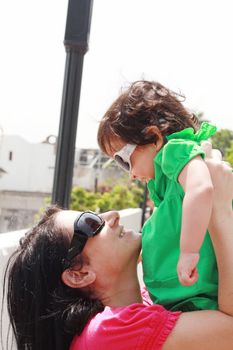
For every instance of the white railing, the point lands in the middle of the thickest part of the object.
(130, 218)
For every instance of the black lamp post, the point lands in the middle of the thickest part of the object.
(144, 204)
(76, 43)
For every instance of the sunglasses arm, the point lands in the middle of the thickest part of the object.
(76, 247)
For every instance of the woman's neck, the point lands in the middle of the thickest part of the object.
(121, 294)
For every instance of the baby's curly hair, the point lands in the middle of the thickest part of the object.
(144, 104)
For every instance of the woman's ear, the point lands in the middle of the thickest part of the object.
(154, 130)
(78, 279)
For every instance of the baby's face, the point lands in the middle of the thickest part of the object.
(142, 162)
(141, 159)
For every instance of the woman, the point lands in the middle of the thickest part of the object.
(75, 277)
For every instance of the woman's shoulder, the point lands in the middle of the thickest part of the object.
(128, 327)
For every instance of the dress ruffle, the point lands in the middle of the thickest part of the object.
(204, 133)
(171, 321)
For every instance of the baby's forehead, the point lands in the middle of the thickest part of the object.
(114, 145)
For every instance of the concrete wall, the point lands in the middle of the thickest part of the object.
(26, 177)
(130, 218)
(18, 209)
(29, 166)
(8, 243)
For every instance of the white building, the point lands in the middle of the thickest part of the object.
(26, 177)
(26, 180)
(28, 166)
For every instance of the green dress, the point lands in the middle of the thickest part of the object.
(161, 232)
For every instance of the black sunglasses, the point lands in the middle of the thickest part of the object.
(87, 225)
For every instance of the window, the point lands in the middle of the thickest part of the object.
(10, 155)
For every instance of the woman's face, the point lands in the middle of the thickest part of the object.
(112, 251)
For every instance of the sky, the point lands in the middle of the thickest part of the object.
(185, 45)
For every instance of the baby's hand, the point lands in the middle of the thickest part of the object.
(186, 268)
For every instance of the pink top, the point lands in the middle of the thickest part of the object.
(136, 327)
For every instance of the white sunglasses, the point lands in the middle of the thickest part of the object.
(122, 157)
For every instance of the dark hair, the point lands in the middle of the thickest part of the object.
(44, 312)
(143, 104)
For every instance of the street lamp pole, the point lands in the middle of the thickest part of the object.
(76, 44)
(144, 204)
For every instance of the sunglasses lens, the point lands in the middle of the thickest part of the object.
(89, 224)
(121, 162)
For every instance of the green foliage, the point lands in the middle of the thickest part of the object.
(118, 197)
(125, 194)
(104, 202)
(82, 200)
(138, 192)
(229, 154)
(123, 198)
(222, 140)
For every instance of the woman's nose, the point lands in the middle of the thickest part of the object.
(112, 217)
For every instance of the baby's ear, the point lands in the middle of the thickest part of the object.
(154, 130)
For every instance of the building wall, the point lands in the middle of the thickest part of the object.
(26, 177)
(90, 169)
(18, 210)
(29, 167)
(88, 178)
(26, 181)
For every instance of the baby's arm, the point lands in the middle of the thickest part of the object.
(196, 212)
(193, 330)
